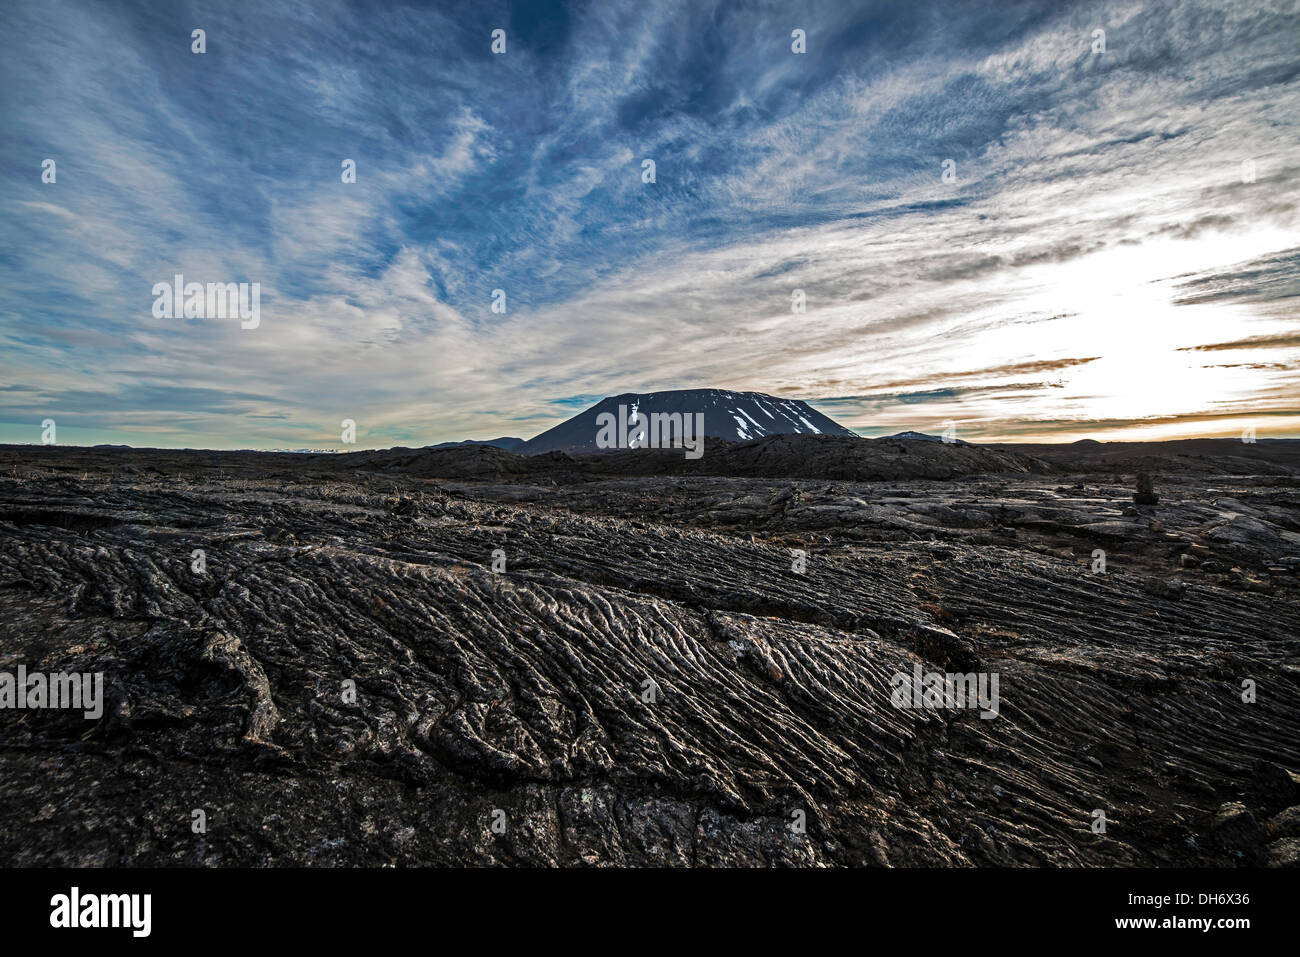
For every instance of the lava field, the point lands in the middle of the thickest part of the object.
(475, 657)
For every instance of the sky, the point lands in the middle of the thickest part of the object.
(1001, 220)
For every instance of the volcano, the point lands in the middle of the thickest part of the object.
(733, 416)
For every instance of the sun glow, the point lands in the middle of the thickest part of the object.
(1120, 306)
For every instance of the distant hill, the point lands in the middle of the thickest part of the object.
(1228, 456)
(915, 436)
(923, 437)
(730, 416)
(509, 443)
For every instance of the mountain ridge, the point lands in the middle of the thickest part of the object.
(508, 442)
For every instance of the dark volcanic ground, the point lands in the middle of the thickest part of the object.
(522, 692)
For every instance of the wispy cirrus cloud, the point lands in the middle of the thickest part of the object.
(1097, 237)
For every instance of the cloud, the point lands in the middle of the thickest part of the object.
(1283, 341)
(1264, 280)
(1098, 227)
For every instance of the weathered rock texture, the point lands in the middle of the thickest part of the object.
(524, 692)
